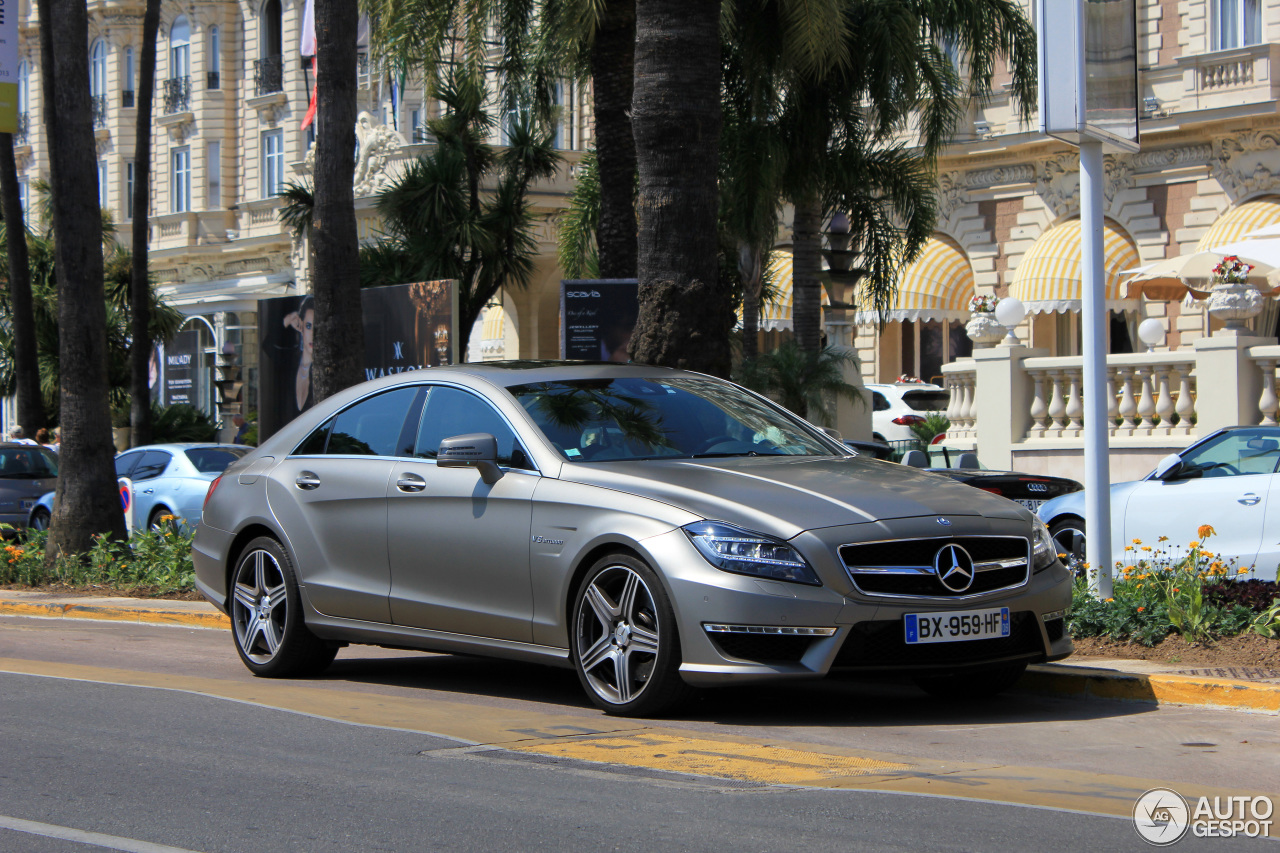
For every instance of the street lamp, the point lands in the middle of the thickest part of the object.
(839, 257)
(1009, 313)
(1151, 333)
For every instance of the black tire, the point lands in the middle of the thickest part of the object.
(624, 628)
(980, 683)
(267, 624)
(157, 523)
(39, 519)
(1069, 534)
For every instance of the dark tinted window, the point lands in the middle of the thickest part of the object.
(927, 401)
(214, 460)
(878, 402)
(27, 463)
(372, 427)
(451, 412)
(314, 444)
(152, 464)
(125, 463)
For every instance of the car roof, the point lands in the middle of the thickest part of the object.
(528, 371)
(178, 447)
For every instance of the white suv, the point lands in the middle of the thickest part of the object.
(894, 408)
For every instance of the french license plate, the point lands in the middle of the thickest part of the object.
(956, 625)
(26, 504)
(1029, 503)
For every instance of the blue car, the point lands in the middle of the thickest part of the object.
(168, 479)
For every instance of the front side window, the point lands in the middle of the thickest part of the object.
(272, 163)
(180, 191)
(375, 426)
(27, 463)
(594, 420)
(1238, 23)
(451, 412)
(1243, 451)
(126, 461)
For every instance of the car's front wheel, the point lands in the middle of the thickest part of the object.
(979, 683)
(1068, 533)
(40, 519)
(266, 615)
(625, 644)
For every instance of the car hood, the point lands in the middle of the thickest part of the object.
(785, 495)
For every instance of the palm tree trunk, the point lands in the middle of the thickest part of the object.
(806, 265)
(26, 361)
(87, 501)
(686, 315)
(751, 268)
(339, 337)
(612, 79)
(140, 287)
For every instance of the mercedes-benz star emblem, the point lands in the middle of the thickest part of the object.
(954, 568)
(944, 522)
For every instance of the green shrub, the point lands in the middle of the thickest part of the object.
(181, 422)
(154, 563)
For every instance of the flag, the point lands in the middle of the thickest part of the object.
(308, 44)
(311, 108)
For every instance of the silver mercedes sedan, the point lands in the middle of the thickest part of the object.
(655, 530)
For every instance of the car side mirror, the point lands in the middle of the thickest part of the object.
(477, 450)
(1169, 468)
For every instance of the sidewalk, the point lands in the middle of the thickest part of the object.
(1080, 678)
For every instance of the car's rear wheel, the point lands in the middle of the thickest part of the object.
(161, 520)
(1069, 534)
(625, 645)
(40, 519)
(266, 615)
(979, 683)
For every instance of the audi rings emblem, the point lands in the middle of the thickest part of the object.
(1037, 487)
(954, 568)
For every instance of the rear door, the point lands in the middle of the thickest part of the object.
(330, 498)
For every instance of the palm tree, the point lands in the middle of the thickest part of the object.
(339, 336)
(31, 411)
(87, 501)
(801, 380)
(141, 295)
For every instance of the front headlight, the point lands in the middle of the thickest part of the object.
(1043, 549)
(732, 549)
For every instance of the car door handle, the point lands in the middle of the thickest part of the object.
(411, 483)
(308, 481)
(148, 491)
(1249, 499)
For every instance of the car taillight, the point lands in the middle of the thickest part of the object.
(209, 494)
(908, 420)
(939, 438)
(992, 489)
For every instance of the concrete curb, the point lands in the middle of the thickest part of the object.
(1077, 682)
(207, 617)
(1156, 688)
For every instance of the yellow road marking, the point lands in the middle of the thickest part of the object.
(593, 737)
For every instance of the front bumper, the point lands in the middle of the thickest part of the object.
(753, 624)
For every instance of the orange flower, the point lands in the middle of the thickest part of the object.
(1194, 543)
(1140, 609)
(1205, 531)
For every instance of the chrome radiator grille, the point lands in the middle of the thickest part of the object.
(904, 568)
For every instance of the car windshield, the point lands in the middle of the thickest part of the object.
(927, 401)
(597, 420)
(27, 463)
(214, 460)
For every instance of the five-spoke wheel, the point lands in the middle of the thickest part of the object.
(625, 643)
(266, 615)
(1069, 536)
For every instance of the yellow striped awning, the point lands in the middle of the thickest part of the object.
(1239, 221)
(937, 286)
(775, 314)
(1048, 278)
(493, 332)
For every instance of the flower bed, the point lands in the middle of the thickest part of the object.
(1165, 589)
(152, 563)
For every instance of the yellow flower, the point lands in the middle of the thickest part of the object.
(1205, 531)
(1163, 539)
(1146, 547)
(1110, 599)
(1128, 547)
(1243, 572)
(1137, 542)
(1194, 544)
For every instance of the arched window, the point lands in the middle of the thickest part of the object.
(98, 69)
(180, 48)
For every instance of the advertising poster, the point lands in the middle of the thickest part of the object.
(406, 327)
(597, 317)
(182, 380)
(8, 67)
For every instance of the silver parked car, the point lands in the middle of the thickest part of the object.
(654, 529)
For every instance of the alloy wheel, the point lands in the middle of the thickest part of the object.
(618, 635)
(1070, 541)
(260, 606)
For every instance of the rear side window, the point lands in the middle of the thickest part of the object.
(214, 460)
(451, 412)
(927, 401)
(151, 465)
(372, 427)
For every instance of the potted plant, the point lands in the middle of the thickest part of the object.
(983, 328)
(1232, 299)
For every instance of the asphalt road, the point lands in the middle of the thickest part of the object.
(125, 737)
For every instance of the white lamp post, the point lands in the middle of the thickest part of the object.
(1009, 313)
(1151, 333)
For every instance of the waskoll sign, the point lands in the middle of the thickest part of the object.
(406, 327)
(597, 317)
(8, 66)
